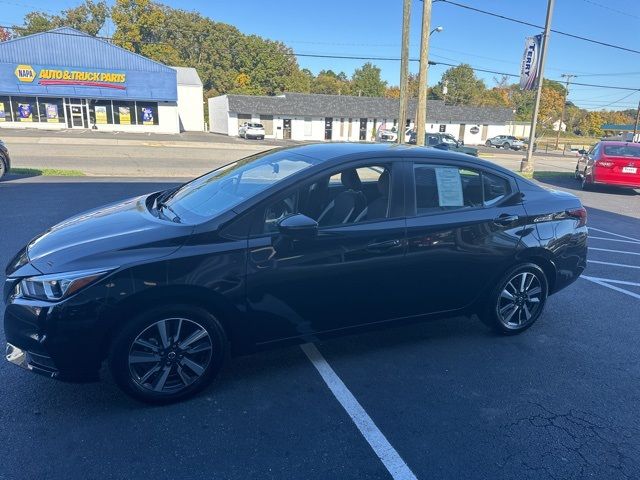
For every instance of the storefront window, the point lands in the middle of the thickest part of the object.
(124, 113)
(5, 109)
(147, 113)
(51, 110)
(25, 109)
(100, 112)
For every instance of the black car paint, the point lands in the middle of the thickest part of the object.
(270, 290)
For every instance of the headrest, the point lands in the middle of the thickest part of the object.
(383, 183)
(351, 180)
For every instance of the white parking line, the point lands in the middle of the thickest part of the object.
(372, 434)
(614, 240)
(611, 280)
(612, 287)
(614, 234)
(613, 251)
(614, 264)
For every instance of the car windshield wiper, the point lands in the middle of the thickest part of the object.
(160, 206)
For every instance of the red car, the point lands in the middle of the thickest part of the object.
(610, 163)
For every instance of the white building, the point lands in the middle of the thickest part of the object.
(300, 116)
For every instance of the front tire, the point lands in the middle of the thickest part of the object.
(584, 183)
(487, 143)
(167, 354)
(3, 166)
(517, 301)
(506, 146)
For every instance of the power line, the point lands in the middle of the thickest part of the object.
(607, 7)
(522, 22)
(354, 57)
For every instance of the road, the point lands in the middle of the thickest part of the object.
(453, 400)
(185, 155)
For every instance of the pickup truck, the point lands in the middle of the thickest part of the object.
(444, 141)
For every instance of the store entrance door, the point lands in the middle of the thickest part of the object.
(76, 113)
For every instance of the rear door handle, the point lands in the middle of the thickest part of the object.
(505, 219)
(378, 247)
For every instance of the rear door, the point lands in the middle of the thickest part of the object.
(461, 236)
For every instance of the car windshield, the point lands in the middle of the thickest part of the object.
(622, 151)
(228, 186)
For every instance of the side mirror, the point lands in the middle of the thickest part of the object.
(461, 143)
(582, 152)
(298, 226)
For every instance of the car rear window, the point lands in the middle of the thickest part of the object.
(256, 125)
(622, 151)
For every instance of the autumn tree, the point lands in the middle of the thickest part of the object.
(591, 124)
(366, 81)
(551, 102)
(88, 17)
(329, 82)
(4, 34)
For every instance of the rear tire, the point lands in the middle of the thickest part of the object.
(584, 184)
(517, 301)
(167, 354)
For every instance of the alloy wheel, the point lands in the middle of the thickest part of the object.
(170, 355)
(520, 300)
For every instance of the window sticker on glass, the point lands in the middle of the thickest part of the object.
(449, 187)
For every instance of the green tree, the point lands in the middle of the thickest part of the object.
(88, 17)
(463, 87)
(331, 83)
(366, 81)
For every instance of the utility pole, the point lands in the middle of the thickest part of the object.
(421, 110)
(635, 128)
(526, 165)
(568, 76)
(404, 70)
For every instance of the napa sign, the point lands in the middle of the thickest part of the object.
(67, 77)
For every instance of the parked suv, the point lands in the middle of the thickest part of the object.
(251, 130)
(444, 141)
(508, 142)
(5, 162)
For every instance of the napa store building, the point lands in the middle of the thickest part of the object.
(65, 78)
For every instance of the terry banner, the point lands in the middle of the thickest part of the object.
(530, 60)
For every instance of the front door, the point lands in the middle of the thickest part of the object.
(460, 237)
(328, 128)
(363, 129)
(286, 128)
(76, 113)
(345, 276)
(461, 132)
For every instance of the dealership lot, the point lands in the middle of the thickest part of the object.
(441, 399)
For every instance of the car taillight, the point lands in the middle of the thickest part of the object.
(579, 214)
(604, 163)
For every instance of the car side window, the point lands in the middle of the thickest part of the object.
(350, 195)
(442, 188)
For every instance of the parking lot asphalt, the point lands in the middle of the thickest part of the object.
(451, 399)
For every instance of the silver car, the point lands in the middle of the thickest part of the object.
(508, 142)
(251, 130)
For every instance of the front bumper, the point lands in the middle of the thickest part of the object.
(62, 341)
(40, 364)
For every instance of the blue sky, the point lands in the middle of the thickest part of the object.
(373, 28)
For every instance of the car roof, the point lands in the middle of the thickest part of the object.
(618, 143)
(336, 153)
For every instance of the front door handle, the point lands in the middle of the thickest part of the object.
(505, 220)
(379, 247)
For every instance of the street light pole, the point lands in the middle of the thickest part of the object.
(568, 76)
(404, 70)
(526, 164)
(421, 110)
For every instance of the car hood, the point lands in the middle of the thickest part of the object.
(110, 236)
(467, 150)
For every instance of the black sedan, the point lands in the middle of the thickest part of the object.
(5, 161)
(284, 247)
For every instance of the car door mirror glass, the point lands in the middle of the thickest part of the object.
(582, 152)
(298, 226)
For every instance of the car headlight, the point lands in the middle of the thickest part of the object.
(58, 285)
